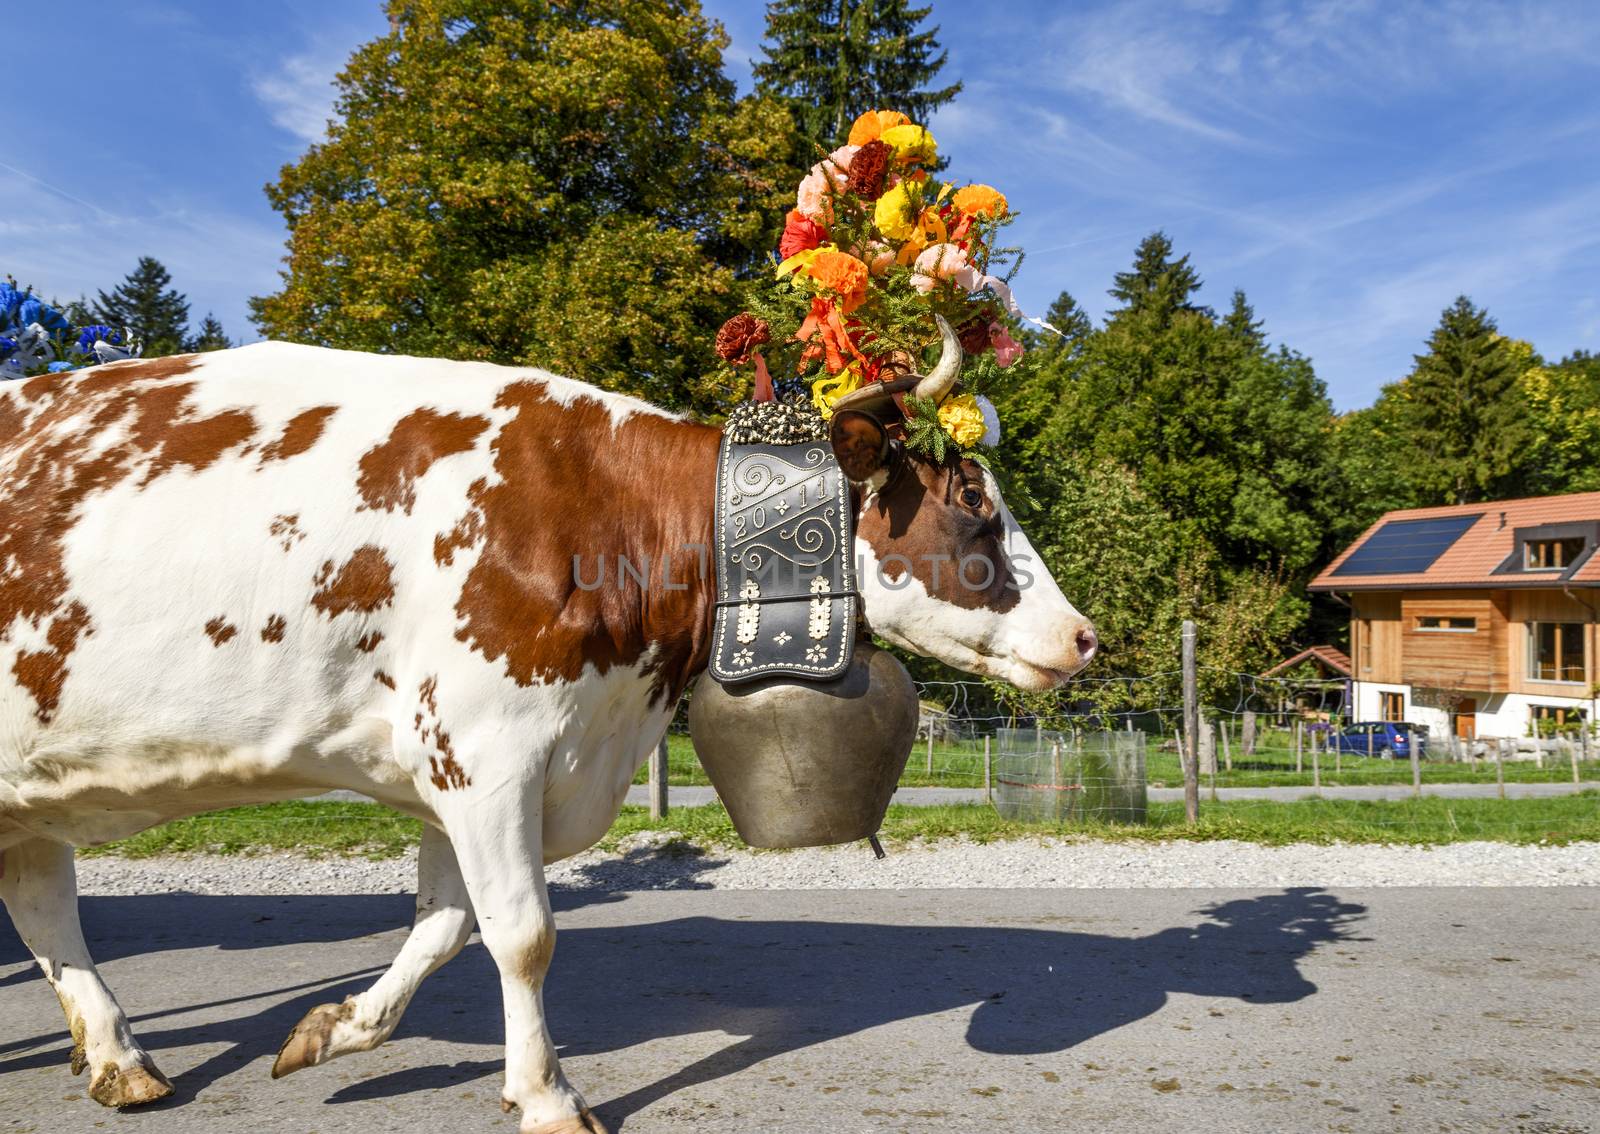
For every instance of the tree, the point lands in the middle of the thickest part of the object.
(1241, 321)
(1469, 431)
(1158, 287)
(157, 314)
(565, 185)
(1563, 403)
(210, 336)
(832, 60)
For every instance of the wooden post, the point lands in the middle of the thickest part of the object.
(658, 781)
(988, 789)
(930, 746)
(1338, 754)
(1191, 726)
(1316, 763)
(1416, 762)
(1247, 738)
(1227, 750)
(1500, 768)
(1055, 778)
(1572, 754)
(1299, 754)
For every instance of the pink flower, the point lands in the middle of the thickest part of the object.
(838, 165)
(1006, 349)
(943, 262)
(878, 256)
(812, 199)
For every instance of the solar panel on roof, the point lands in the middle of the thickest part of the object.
(1406, 547)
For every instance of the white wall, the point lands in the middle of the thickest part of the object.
(1499, 714)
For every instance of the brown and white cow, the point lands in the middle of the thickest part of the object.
(269, 572)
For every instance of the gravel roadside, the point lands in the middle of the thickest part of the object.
(1021, 864)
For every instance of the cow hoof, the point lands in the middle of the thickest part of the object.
(118, 1088)
(584, 1122)
(307, 1045)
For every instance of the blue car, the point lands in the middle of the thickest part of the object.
(1385, 739)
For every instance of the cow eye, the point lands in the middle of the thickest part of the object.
(971, 497)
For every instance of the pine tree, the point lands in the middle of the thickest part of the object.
(210, 336)
(832, 60)
(157, 314)
(1468, 429)
(1158, 285)
(1241, 321)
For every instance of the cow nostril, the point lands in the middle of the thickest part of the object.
(1087, 642)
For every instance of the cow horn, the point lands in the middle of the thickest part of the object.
(942, 379)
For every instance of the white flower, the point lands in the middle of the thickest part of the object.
(991, 421)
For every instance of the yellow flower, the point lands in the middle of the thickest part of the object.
(896, 212)
(826, 391)
(981, 201)
(963, 420)
(911, 143)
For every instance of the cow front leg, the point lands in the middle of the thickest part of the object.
(498, 840)
(362, 1022)
(39, 887)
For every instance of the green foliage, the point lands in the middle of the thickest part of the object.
(573, 186)
(211, 336)
(157, 314)
(830, 61)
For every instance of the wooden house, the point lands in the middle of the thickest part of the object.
(1476, 620)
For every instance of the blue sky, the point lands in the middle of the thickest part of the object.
(1352, 165)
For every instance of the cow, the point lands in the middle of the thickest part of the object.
(276, 571)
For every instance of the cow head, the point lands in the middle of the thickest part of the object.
(945, 570)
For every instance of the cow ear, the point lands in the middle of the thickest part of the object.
(860, 444)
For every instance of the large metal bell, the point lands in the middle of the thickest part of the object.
(804, 764)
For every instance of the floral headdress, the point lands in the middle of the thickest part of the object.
(877, 256)
(35, 337)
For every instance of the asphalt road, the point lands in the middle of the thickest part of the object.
(1035, 1010)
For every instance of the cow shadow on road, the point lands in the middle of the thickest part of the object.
(777, 985)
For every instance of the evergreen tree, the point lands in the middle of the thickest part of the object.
(833, 60)
(1468, 429)
(1158, 286)
(158, 315)
(210, 336)
(1241, 321)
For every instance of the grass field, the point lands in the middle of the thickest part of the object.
(960, 764)
(367, 829)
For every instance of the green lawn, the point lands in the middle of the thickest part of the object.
(960, 764)
(367, 829)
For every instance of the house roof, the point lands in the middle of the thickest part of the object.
(1470, 559)
(1330, 656)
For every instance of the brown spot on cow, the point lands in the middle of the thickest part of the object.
(520, 603)
(302, 432)
(446, 773)
(364, 583)
(468, 530)
(85, 433)
(369, 641)
(390, 471)
(286, 529)
(220, 630)
(43, 673)
(12, 415)
(383, 678)
(274, 630)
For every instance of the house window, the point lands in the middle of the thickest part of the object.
(1433, 622)
(1549, 720)
(1550, 554)
(1392, 706)
(1555, 651)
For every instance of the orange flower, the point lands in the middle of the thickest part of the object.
(841, 273)
(870, 125)
(980, 201)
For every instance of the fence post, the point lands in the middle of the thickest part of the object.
(658, 781)
(1055, 777)
(1299, 752)
(930, 747)
(1572, 754)
(1247, 735)
(988, 790)
(1416, 761)
(1316, 762)
(1191, 727)
(1227, 751)
(1500, 768)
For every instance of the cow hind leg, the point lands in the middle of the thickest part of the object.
(39, 887)
(362, 1022)
(498, 841)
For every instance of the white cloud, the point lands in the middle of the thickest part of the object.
(299, 95)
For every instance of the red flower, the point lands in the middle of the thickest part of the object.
(800, 233)
(740, 336)
(867, 170)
